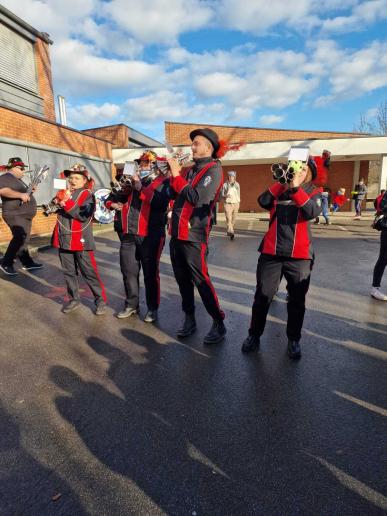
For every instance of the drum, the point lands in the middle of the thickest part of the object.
(102, 214)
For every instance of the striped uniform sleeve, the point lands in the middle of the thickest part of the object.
(310, 205)
(267, 198)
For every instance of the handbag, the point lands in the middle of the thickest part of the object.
(380, 222)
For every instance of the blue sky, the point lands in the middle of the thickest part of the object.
(297, 64)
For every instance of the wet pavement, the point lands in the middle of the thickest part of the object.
(106, 416)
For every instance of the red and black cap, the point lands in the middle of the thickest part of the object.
(77, 169)
(210, 135)
(15, 162)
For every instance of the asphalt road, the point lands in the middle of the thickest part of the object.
(107, 417)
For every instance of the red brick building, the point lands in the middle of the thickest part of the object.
(28, 126)
(351, 153)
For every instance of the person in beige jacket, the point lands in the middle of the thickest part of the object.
(231, 193)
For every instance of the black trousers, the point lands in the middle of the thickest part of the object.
(145, 252)
(382, 260)
(18, 246)
(270, 270)
(189, 262)
(84, 262)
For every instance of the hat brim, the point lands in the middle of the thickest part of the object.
(209, 137)
(83, 173)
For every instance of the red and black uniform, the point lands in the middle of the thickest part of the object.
(73, 236)
(197, 190)
(141, 228)
(286, 250)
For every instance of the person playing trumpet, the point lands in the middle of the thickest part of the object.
(73, 237)
(286, 250)
(140, 220)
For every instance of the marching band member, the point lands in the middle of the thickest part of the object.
(286, 250)
(73, 237)
(18, 210)
(140, 220)
(197, 190)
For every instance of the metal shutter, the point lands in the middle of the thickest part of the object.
(17, 60)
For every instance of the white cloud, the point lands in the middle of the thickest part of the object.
(167, 105)
(220, 84)
(159, 21)
(92, 115)
(271, 119)
(362, 15)
(90, 74)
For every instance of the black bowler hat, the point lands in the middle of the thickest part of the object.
(211, 136)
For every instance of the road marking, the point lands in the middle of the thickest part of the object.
(365, 404)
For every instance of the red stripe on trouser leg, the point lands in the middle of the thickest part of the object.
(159, 251)
(94, 264)
(207, 278)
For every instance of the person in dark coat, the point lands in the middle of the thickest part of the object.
(73, 237)
(286, 250)
(140, 221)
(18, 210)
(197, 190)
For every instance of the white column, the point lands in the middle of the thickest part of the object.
(383, 174)
(356, 177)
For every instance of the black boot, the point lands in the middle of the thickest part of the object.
(294, 349)
(251, 343)
(189, 326)
(216, 333)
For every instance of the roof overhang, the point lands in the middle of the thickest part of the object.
(342, 149)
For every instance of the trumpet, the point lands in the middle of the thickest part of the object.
(285, 173)
(52, 207)
(163, 165)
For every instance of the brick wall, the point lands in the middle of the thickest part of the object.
(43, 66)
(178, 133)
(35, 130)
(117, 135)
(254, 179)
(19, 126)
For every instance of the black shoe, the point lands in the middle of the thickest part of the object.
(294, 349)
(151, 316)
(216, 333)
(101, 309)
(127, 312)
(71, 306)
(32, 265)
(189, 326)
(251, 343)
(8, 269)
(232, 236)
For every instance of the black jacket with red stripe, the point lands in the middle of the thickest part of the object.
(74, 227)
(291, 211)
(198, 189)
(144, 212)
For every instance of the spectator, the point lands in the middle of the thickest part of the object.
(359, 196)
(324, 207)
(231, 194)
(338, 200)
